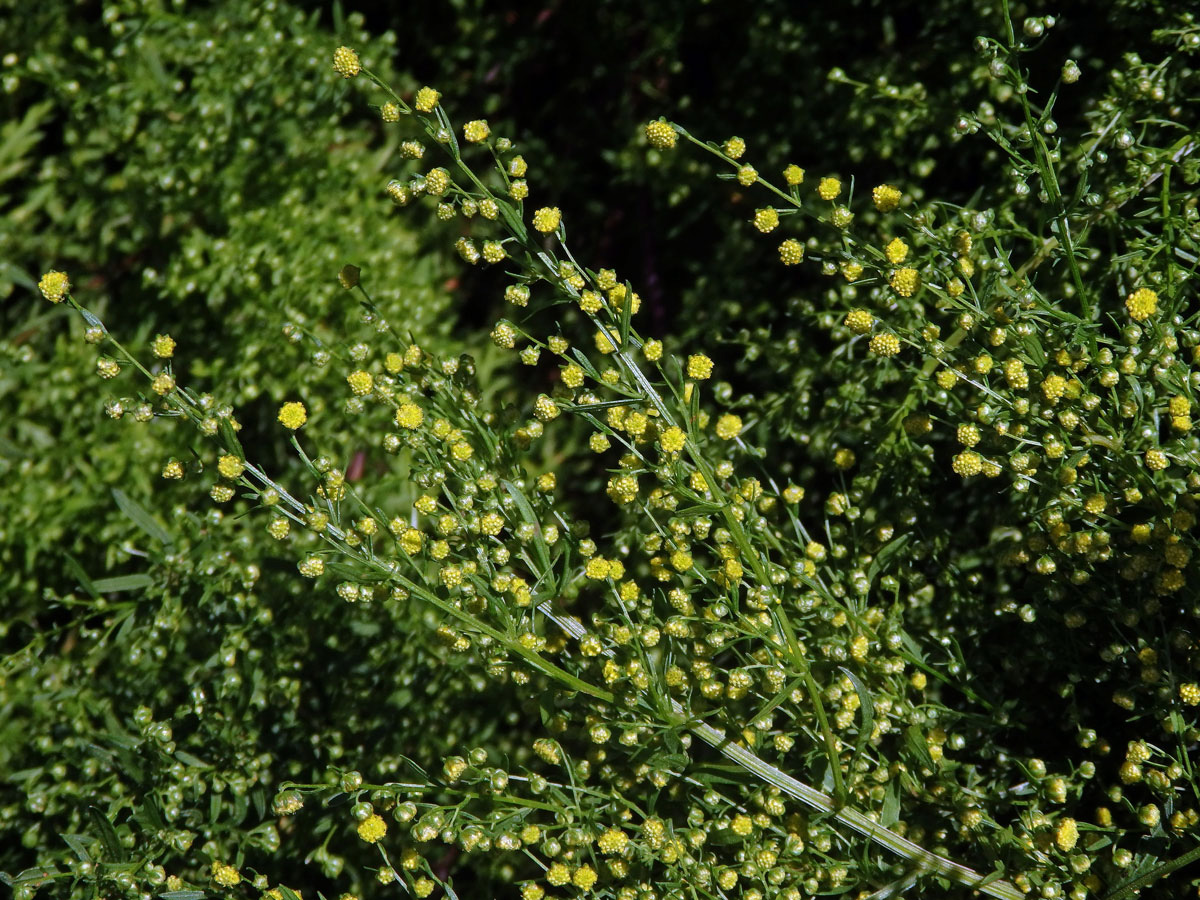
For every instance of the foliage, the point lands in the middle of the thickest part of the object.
(907, 608)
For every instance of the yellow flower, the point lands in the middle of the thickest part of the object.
(1053, 387)
(426, 99)
(791, 252)
(597, 568)
(661, 135)
(1156, 460)
(829, 188)
(967, 463)
(612, 841)
(886, 197)
(1141, 304)
(372, 829)
(230, 466)
(225, 875)
(896, 251)
(476, 130)
(728, 426)
(672, 440)
(793, 175)
(884, 345)
(904, 281)
(1066, 835)
(968, 435)
(585, 878)
(747, 175)
(54, 286)
(558, 874)
(547, 219)
(293, 415)
(360, 382)
(699, 366)
(163, 346)
(734, 148)
(859, 321)
(545, 409)
(409, 415)
(345, 62)
(766, 220)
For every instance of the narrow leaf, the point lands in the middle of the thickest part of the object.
(123, 583)
(141, 518)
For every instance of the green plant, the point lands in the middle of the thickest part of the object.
(812, 644)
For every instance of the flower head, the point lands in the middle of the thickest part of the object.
(1141, 304)
(345, 62)
(372, 829)
(699, 366)
(476, 130)
(293, 415)
(661, 135)
(54, 286)
(547, 219)
(426, 99)
(791, 252)
(829, 188)
(886, 197)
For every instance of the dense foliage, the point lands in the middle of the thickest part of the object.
(831, 531)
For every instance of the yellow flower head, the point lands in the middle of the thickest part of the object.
(884, 345)
(372, 829)
(728, 426)
(476, 130)
(54, 286)
(766, 220)
(547, 219)
(699, 366)
(829, 188)
(896, 251)
(345, 62)
(1141, 304)
(859, 321)
(904, 281)
(791, 252)
(163, 346)
(426, 99)
(886, 197)
(661, 135)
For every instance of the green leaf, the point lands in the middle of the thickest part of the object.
(527, 513)
(108, 835)
(866, 706)
(187, 759)
(123, 583)
(76, 569)
(890, 814)
(141, 518)
(886, 554)
(77, 845)
(184, 895)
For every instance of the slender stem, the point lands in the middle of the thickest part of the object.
(1132, 887)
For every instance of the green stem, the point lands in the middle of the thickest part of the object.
(1132, 887)
(1049, 179)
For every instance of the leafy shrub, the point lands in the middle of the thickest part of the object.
(907, 608)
